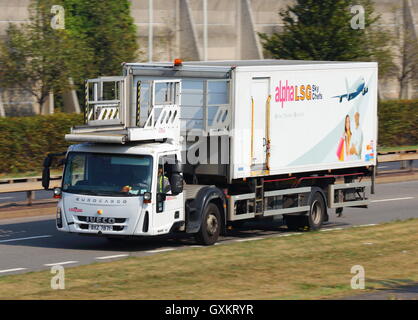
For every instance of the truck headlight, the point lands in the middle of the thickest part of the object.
(147, 197)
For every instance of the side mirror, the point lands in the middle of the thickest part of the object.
(47, 161)
(176, 167)
(45, 178)
(161, 197)
(176, 183)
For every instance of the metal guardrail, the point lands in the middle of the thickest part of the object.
(406, 157)
(32, 184)
(26, 179)
(25, 184)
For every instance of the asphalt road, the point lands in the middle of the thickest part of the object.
(39, 195)
(30, 244)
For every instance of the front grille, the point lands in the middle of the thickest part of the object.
(117, 220)
(85, 225)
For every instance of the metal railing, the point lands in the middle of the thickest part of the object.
(25, 184)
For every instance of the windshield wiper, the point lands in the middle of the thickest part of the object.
(87, 192)
(111, 193)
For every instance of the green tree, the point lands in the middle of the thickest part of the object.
(321, 30)
(108, 29)
(406, 48)
(39, 59)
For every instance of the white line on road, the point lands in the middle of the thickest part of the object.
(1, 198)
(394, 199)
(289, 234)
(112, 257)
(28, 238)
(160, 250)
(330, 229)
(367, 225)
(249, 239)
(59, 263)
(12, 270)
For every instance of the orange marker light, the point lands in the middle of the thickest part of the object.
(100, 211)
(178, 62)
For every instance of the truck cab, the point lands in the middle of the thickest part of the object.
(121, 190)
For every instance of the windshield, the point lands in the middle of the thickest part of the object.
(107, 174)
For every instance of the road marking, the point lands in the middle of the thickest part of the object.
(289, 234)
(367, 225)
(12, 270)
(160, 250)
(59, 263)
(28, 238)
(1, 198)
(112, 257)
(331, 229)
(393, 199)
(249, 239)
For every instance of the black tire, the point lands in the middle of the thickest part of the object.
(316, 214)
(211, 225)
(313, 221)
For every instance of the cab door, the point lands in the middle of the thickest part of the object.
(168, 207)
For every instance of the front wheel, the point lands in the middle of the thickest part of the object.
(211, 225)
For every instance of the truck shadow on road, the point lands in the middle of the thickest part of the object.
(43, 234)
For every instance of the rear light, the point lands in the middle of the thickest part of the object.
(59, 218)
(147, 197)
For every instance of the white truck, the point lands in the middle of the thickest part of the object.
(196, 147)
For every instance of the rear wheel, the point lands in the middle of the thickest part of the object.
(316, 213)
(211, 225)
(312, 221)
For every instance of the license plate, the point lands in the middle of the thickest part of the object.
(100, 227)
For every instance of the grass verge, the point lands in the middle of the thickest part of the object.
(306, 266)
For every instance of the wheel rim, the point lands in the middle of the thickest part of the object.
(212, 224)
(316, 212)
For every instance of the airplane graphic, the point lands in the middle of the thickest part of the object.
(352, 92)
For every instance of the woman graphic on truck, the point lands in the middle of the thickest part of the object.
(347, 135)
(343, 149)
